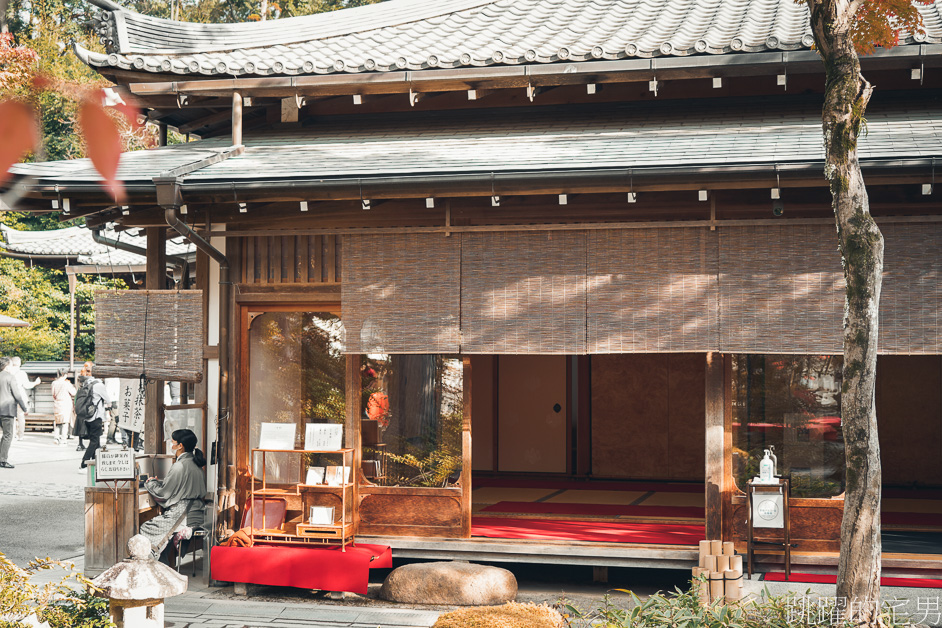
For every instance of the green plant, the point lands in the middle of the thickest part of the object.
(681, 609)
(69, 603)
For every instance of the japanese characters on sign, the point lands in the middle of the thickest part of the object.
(131, 405)
(114, 464)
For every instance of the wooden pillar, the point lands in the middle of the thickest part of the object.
(236, 118)
(715, 446)
(466, 450)
(354, 401)
(156, 279)
(161, 134)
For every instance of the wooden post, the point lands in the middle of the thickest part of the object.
(236, 118)
(161, 133)
(156, 279)
(466, 450)
(354, 401)
(715, 450)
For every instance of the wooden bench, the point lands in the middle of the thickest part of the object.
(45, 422)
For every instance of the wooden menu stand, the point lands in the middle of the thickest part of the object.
(753, 490)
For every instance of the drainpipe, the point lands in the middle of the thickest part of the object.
(179, 262)
(169, 197)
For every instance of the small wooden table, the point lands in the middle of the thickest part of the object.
(753, 489)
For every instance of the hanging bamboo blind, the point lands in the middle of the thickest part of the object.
(400, 293)
(652, 290)
(157, 334)
(781, 289)
(911, 300)
(752, 289)
(523, 292)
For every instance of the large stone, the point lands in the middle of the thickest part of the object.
(449, 583)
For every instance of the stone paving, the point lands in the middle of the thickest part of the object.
(48, 491)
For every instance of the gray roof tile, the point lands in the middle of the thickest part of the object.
(419, 34)
(77, 243)
(662, 135)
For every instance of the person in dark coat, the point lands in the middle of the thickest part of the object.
(11, 398)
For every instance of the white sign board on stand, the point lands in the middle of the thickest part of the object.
(114, 464)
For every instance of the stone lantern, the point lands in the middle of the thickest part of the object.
(137, 587)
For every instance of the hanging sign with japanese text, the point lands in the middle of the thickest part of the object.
(131, 405)
(114, 464)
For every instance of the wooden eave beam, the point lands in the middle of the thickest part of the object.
(550, 74)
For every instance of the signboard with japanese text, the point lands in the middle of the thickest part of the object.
(114, 464)
(131, 405)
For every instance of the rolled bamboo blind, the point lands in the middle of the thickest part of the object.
(652, 290)
(400, 293)
(523, 292)
(157, 334)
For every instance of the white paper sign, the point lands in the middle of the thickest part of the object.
(114, 464)
(337, 476)
(131, 405)
(321, 515)
(277, 436)
(315, 475)
(767, 510)
(323, 436)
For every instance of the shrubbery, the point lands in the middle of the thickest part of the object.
(68, 603)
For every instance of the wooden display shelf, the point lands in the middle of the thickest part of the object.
(342, 531)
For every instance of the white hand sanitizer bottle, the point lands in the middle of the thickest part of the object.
(767, 469)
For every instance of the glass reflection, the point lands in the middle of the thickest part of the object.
(412, 416)
(791, 402)
(296, 375)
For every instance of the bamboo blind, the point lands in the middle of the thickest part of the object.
(523, 292)
(400, 293)
(911, 301)
(781, 289)
(652, 290)
(157, 334)
(755, 289)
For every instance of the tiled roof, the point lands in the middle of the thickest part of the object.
(422, 34)
(759, 132)
(77, 243)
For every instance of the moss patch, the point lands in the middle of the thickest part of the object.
(510, 615)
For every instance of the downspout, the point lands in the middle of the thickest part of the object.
(178, 261)
(223, 430)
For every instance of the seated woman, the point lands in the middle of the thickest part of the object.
(179, 495)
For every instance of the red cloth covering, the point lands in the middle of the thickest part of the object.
(609, 510)
(822, 578)
(665, 534)
(322, 568)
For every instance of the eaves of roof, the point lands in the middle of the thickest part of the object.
(413, 35)
(521, 151)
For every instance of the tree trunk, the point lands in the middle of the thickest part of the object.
(861, 244)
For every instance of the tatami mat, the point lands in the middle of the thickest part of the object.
(674, 499)
(494, 494)
(928, 506)
(596, 497)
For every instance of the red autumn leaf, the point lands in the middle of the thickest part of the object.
(103, 142)
(40, 82)
(20, 132)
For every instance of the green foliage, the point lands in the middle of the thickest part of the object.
(681, 609)
(69, 603)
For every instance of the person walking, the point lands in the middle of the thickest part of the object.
(79, 428)
(11, 400)
(23, 380)
(91, 403)
(63, 405)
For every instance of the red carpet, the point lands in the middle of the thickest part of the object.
(546, 529)
(322, 568)
(603, 485)
(609, 510)
(922, 583)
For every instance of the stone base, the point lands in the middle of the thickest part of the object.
(450, 583)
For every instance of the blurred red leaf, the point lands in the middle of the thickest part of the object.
(19, 130)
(42, 82)
(103, 142)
